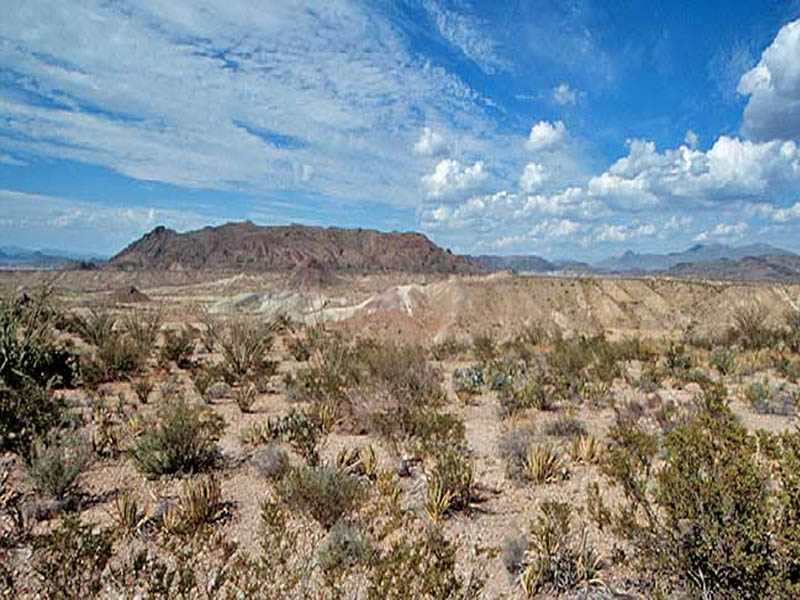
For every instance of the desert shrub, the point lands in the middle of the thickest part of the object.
(677, 362)
(345, 547)
(448, 348)
(302, 431)
(181, 438)
(750, 327)
(117, 357)
(244, 344)
(178, 347)
(565, 426)
(142, 389)
(71, 559)
(422, 567)
(723, 360)
(789, 368)
(29, 346)
(514, 447)
(451, 485)
(766, 400)
(324, 493)
(468, 381)
(143, 326)
(57, 461)
(95, 327)
(716, 519)
(27, 413)
(272, 461)
(554, 562)
(525, 393)
(128, 515)
(792, 321)
(484, 346)
(245, 396)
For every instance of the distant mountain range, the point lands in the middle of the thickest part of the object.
(700, 253)
(14, 257)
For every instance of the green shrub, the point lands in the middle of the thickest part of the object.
(528, 392)
(324, 493)
(180, 439)
(451, 483)
(27, 413)
(57, 461)
(95, 327)
(117, 357)
(469, 381)
(143, 326)
(345, 547)
(300, 430)
(716, 520)
(244, 343)
(750, 327)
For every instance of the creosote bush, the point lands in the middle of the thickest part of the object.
(324, 493)
(57, 462)
(181, 438)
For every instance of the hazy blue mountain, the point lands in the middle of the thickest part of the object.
(517, 263)
(700, 253)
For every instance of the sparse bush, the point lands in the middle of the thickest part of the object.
(554, 561)
(116, 358)
(528, 393)
(768, 400)
(448, 348)
(142, 389)
(95, 327)
(567, 427)
(143, 326)
(300, 430)
(789, 368)
(514, 447)
(324, 493)
(750, 327)
(468, 382)
(484, 345)
(178, 347)
(272, 461)
(70, 560)
(513, 551)
(244, 344)
(180, 439)
(27, 413)
(57, 462)
(345, 547)
(722, 359)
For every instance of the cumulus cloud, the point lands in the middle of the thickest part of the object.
(728, 231)
(545, 135)
(451, 176)
(773, 85)
(533, 177)
(563, 95)
(430, 143)
(623, 232)
(691, 139)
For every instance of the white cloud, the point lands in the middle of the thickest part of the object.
(563, 95)
(623, 233)
(546, 136)
(451, 176)
(7, 159)
(430, 143)
(677, 223)
(221, 96)
(729, 231)
(691, 139)
(773, 110)
(533, 177)
(465, 33)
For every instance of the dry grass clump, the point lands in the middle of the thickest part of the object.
(543, 464)
(57, 462)
(514, 446)
(566, 427)
(272, 461)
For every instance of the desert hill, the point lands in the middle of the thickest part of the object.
(252, 247)
(773, 267)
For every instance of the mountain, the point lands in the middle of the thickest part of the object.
(516, 263)
(249, 246)
(774, 267)
(14, 257)
(700, 253)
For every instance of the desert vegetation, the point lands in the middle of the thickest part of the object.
(153, 453)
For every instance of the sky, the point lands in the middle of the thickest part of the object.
(569, 129)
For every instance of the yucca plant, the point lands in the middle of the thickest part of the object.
(142, 389)
(358, 461)
(200, 502)
(543, 464)
(437, 500)
(127, 513)
(245, 397)
(585, 450)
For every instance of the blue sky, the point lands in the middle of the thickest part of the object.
(566, 129)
